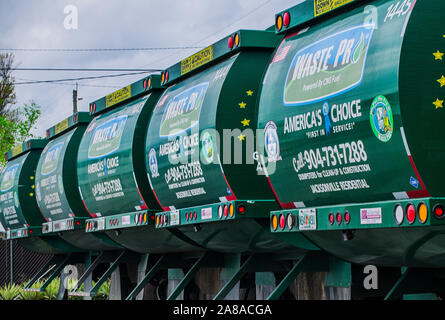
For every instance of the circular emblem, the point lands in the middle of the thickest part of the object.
(325, 109)
(381, 118)
(153, 163)
(271, 141)
(207, 147)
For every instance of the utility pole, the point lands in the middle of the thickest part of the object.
(75, 100)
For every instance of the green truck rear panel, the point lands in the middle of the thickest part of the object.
(111, 168)
(201, 141)
(57, 189)
(18, 200)
(352, 108)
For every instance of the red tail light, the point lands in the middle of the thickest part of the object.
(282, 221)
(331, 218)
(230, 42)
(439, 211)
(226, 211)
(347, 217)
(339, 218)
(241, 209)
(410, 213)
(286, 19)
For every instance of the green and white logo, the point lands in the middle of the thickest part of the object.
(8, 178)
(381, 118)
(107, 137)
(183, 110)
(329, 67)
(51, 159)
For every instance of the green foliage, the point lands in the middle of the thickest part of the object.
(16, 129)
(17, 292)
(52, 290)
(32, 295)
(10, 292)
(104, 291)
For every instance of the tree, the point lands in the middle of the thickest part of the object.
(16, 123)
(7, 94)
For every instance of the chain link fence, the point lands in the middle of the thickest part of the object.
(17, 264)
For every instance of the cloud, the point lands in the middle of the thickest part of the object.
(115, 24)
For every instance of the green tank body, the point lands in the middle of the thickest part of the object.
(352, 108)
(57, 189)
(200, 146)
(20, 214)
(111, 171)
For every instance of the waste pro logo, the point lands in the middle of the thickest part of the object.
(107, 137)
(328, 67)
(51, 159)
(8, 178)
(183, 110)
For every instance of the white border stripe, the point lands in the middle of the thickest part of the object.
(402, 131)
(400, 195)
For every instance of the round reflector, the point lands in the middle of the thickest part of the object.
(279, 23)
(423, 212)
(290, 221)
(282, 221)
(286, 19)
(274, 222)
(439, 211)
(236, 40)
(410, 213)
(398, 214)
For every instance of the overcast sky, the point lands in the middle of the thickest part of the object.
(39, 24)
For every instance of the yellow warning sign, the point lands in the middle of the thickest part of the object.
(61, 126)
(197, 60)
(324, 6)
(17, 150)
(118, 96)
